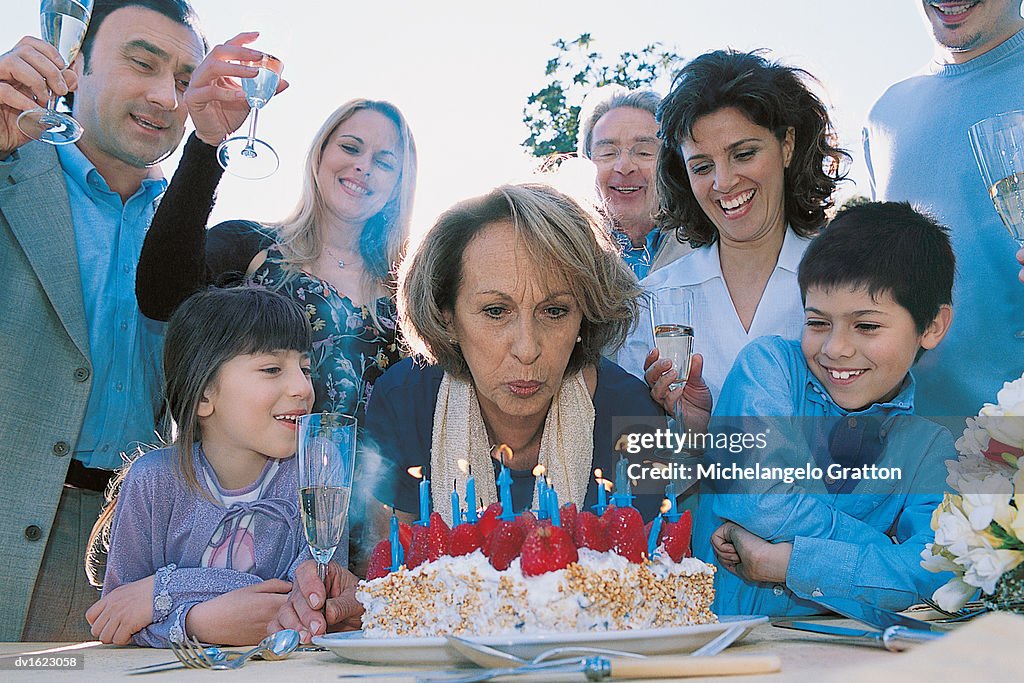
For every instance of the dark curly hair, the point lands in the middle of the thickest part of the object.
(771, 95)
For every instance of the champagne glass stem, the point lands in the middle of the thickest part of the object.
(679, 413)
(249, 151)
(321, 571)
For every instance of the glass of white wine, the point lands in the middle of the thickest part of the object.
(248, 156)
(326, 459)
(671, 314)
(63, 24)
(998, 144)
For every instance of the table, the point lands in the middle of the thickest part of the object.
(988, 648)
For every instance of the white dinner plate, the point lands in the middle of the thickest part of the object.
(354, 647)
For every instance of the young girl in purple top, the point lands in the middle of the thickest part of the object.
(205, 533)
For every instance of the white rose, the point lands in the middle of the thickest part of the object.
(1005, 421)
(955, 532)
(1011, 397)
(954, 594)
(974, 440)
(984, 566)
(981, 508)
(971, 474)
(937, 562)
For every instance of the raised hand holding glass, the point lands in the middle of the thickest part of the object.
(998, 144)
(249, 157)
(63, 24)
(671, 309)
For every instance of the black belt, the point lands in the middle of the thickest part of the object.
(81, 477)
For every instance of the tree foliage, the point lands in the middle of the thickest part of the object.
(552, 113)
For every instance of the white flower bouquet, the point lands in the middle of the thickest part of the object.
(979, 531)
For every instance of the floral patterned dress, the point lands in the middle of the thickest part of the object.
(349, 351)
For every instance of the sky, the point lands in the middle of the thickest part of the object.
(461, 70)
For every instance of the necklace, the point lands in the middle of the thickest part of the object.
(340, 262)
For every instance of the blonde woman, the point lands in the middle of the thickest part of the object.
(334, 254)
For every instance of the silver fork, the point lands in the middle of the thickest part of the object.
(192, 654)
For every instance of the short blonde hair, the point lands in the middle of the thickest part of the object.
(559, 235)
(385, 235)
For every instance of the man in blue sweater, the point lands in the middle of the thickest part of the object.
(917, 149)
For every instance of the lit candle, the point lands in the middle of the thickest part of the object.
(424, 495)
(602, 493)
(652, 540)
(542, 496)
(397, 552)
(673, 513)
(471, 500)
(505, 486)
(456, 508)
(552, 495)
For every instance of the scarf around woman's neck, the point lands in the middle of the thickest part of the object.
(566, 446)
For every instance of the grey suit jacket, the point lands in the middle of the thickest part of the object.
(45, 368)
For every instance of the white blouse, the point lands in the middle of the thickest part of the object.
(718, 333)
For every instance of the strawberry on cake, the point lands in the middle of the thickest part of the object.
(591, 573)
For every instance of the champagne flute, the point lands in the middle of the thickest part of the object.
(998, 144)
(326, 458)
(63, 24)
(249, 157)
(671, 310)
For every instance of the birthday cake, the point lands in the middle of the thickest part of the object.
(583, 572)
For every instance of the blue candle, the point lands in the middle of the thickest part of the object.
(456, 508)
(425, 502)
(602, 494)
(673, 513)
(397, 552)
(652, 540)
(623, 496)
(505, 487)
(471, 500)
(542, 496)
(556, 516)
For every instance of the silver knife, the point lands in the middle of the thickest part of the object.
(894, 638)
(874, 616)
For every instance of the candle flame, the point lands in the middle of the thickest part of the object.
(598, 474)
(622, 443)
(665, 506)
(504, 450)
(606, 483)
(463, 465)
(416, 472)
(538, 471)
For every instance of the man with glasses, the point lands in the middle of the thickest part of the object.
(619, 134)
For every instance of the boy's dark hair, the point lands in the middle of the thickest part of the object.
(886, 248)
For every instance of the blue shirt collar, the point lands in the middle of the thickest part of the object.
(79, 170)
(901, 404)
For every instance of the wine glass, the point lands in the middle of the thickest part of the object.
(326, 458)
(249, 157)
(63, 24)
(998, 144)
(671, 309)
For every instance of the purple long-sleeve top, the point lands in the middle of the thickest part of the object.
(162, 527)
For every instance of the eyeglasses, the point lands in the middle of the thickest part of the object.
(641, 154)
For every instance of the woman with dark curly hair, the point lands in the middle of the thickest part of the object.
(747, 167)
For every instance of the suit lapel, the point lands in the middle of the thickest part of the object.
(35, 205)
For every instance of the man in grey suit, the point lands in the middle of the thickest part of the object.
(80, 378)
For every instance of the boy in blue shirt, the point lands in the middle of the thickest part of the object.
(839, 404)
